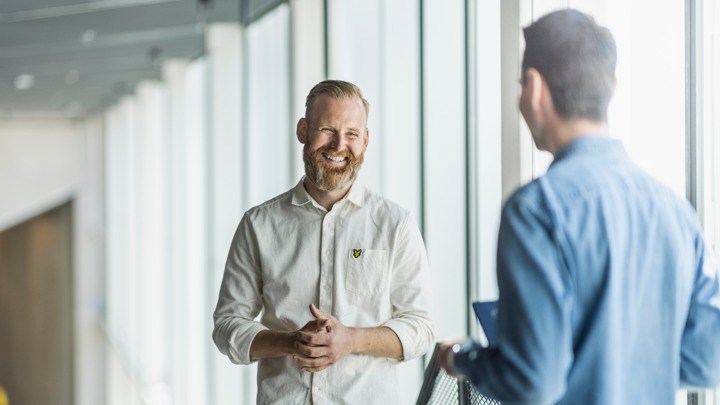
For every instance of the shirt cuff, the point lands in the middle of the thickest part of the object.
(461, 361)
(241, 340)
(407, 336)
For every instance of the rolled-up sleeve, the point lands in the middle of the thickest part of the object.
(700, 351)
(240, 297)
(534, 355)
(410, 293)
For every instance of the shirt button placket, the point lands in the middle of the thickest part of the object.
(319, 381)
(326, 262)
(318, 396)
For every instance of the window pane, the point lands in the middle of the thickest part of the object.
(196, 320)
(650, 82)
(445, 163)
(710, 84)
(269, 133)
(648, 110)
(151, 232)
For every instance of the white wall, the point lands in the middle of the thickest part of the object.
(45, 162)
(29, 188)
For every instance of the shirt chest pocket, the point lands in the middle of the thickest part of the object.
(367, 273)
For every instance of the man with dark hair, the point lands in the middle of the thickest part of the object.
(608, 292)
(339, 273)
(577, 61)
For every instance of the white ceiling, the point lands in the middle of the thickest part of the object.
(84, 54)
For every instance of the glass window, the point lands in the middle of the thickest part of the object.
(269, 133)
(397, 136)
(198, 323)
(224, 143)
(710, 127)
(150, 266)
(709, 183)
(644, 91)
(486, 160)
(308, 63)
(120, 211)
(444, 163)
(174, 77)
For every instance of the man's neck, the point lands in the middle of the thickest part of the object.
(325, 198)
(567, 131)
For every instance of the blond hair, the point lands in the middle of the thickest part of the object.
(336, 89)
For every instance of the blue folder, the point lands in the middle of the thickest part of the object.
(486, 313)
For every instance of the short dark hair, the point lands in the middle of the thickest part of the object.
(577, 58)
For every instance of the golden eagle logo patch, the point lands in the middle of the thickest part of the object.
(357, 253)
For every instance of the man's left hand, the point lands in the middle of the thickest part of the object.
(446, 351)
(321, 350)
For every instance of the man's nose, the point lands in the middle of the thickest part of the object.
(338, 142)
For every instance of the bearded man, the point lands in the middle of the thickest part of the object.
(339, 273)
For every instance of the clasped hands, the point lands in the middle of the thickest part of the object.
(322, 342)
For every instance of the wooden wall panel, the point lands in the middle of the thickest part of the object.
(36, 317)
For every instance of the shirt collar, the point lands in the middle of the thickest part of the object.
(595, 144)
(300, 196)
(356, 194)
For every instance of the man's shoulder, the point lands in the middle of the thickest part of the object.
(526, 195)
(566, 187)
(617, 176)
(272, 206)
(380, 204)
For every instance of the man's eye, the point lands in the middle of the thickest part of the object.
(352, 134)
(327, 131)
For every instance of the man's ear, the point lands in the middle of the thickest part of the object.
(301, 130)
(367, 138)
(540, 96)
(535, 83)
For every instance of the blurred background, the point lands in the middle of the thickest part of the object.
(135, 133)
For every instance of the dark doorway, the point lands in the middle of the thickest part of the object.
(36, 311)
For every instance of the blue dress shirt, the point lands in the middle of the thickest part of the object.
(608, 292)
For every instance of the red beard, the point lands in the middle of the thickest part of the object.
(324, 175)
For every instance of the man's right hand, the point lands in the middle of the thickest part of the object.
(315, 326)
(270, 344)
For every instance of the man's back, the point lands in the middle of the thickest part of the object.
(603, 298)
(630, 250)
(608, 292)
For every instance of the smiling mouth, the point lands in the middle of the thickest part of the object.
(335, 159)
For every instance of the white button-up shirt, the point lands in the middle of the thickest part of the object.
(364, 262)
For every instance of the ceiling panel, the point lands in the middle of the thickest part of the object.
(13, 6)
(72, 27)
(86, 53)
